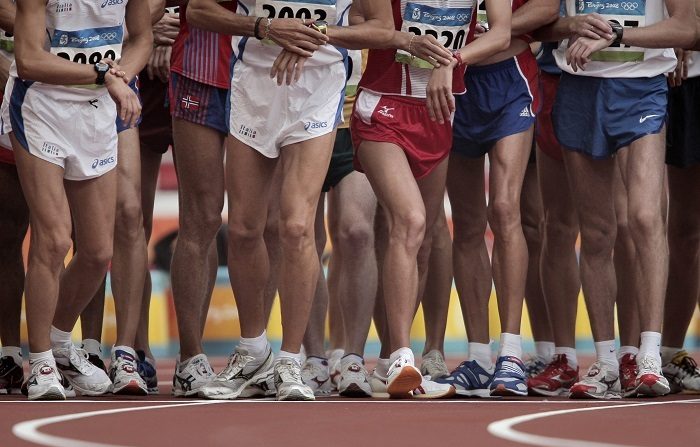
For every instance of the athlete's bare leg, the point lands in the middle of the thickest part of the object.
(14, 221)
(472, 268)
(683, 289)
(508, 160)
(272, 243)
(438, 287)
(315, 334)
(301, 188)
(533, 223)
(351, 210)
(199, 160)
(625, 259)
(644, 177)
(591, 183)
(92, 317)
(559, 269)
(381, 242)
(150, 167)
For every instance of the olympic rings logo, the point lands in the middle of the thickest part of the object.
(629, 6)
(108, 36)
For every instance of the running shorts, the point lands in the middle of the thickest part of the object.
(402, 121)
(268, 117)
(683, 134)
(599, 116)
(78, 136)
(502, 99)
(341, 161)
(156, 130)
(546, 140)
(199, 103)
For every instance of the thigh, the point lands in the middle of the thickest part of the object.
(14, 214)
(432, 188)
(591, 184)
(351, 202)
(556, 197)
(93, 207)
(129, 169)
(304, 168)
(150, 167)
(508, 162)
(645, 173)
(390, 175)
(466, 188)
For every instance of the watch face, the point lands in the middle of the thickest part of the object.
(101, 66)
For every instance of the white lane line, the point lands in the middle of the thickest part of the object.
(504, 428)
(29, 430)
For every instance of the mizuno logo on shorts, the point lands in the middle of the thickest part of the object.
(386, 111)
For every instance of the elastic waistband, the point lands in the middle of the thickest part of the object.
(505, 64)
(408, 100)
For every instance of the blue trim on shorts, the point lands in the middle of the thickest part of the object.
(498, 104)
(19, 92)
(599, 116)
(121, 125)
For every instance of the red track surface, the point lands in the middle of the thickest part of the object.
(333, 422)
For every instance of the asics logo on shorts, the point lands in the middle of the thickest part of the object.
(315, 125)
(104, 162)
(386, 111)
(106, 3)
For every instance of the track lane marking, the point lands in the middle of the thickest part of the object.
(503, 429)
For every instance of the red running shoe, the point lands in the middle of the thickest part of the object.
(556, 379)
(628, 375)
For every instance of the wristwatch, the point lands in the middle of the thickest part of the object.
(101, 69)
(321, 26)
(618, 30)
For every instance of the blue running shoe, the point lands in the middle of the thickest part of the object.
(147, 371)
(469, 379)
(510, 378)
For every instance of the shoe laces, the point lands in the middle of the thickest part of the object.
(289, 372)
(7, 363)
(648, 365)
(689, 366)
(235, 364)
(81, 360)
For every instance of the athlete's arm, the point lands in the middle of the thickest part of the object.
(376, 30)
(136, 53)
(494, 41)
(593, 26)
(157, 8)
(533, 15)
(7, 15)
(291, 34)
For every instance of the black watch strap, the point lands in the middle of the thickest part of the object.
(618, 30)
(101, 69)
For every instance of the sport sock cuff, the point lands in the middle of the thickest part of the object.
(607, 354)
(42, 356)
(650, 344)
(289, 355)
(667, 353)
(624, 350)
(59, 338)
(544, 350)
(511, 345)
(481, 353)
(257, 346)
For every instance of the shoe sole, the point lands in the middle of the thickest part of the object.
(354, 390)
(502, 391)
(474, 393)
(53, 393)
(586, 395)
(435, 395)
(547, 393)
(91, 393)
(295, 396)
(232, 395)
(655, 390)
(403, 385)
(133, 388)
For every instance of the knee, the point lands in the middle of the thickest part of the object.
(244, 234)
(96, 257)
(199, 229)
(354, 236)
(503, 216)
(50, 245)
(295, 233)
(469, 231)
(646, 223)
(408, 230)
(129, 221)
(560, 232)
(598, 240)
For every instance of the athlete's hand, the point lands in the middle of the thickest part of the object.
(580, 50)
(293, 35)
(593, 26)
(128, 105)
(166, 30)
(159, 63)
(116, 70)
(676, 77)
(289, 65)
(426, 47)
(440, 100)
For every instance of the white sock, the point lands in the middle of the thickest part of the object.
(257, 347)
(481, 354)
(46, 356)
(383, 367)
(624, 350)
(650, 344)
(606, 354)
(59, 338)
(511, 345)
(289, 355)
(544, 350)
(351, 358)
(667, 353)
(13, 351)
(405, 353)
(570, 354)
(92, 346)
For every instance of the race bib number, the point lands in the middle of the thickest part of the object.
(88, 46)
(628, 13)
(297, 9)
(449, 26)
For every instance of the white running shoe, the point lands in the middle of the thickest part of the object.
(650, 379)
(599, 383)
(334, 358)
(86, 378)
(433, 365)
(265, 388)
(288, 381)
(429, 389)
(377, 383)
(191, 376)
(683, 373)
(123, 372)
(354, 380)
(316, 375)
(403, 378)
(44, 383)
(239, 374)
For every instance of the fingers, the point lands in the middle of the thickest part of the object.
(298, 70)
(445, 108)
(430, 103)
